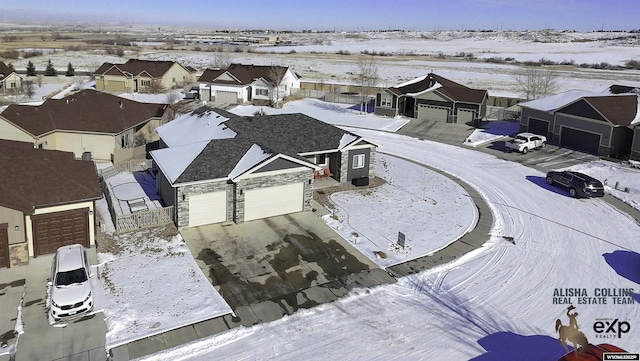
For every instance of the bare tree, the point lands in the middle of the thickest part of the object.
(536, 83)
(276, 76)
(156, 86)
(222, 59)
(28, 88)
(365, 73)
(173, 97)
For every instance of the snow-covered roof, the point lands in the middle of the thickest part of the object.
(430, 89)
(252, 157)
(173, 161)
(195, 127)
(557, 101)
(346, 139)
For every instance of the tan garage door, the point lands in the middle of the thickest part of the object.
(4, 245)
(465, 116)
(226, 97)
(54, 230)
(207, 208)
(273, 201)
(115, 86)
(428, 112)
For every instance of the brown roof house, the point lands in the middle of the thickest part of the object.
(89, 123)
(46, 201)
(255, 84)
(215, 166)
(10, 81)
(432, 97)
(143, 76)
(600, 123)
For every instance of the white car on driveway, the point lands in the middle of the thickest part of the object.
(524, 142)
(70, 284)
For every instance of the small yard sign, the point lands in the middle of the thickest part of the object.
(401, 239)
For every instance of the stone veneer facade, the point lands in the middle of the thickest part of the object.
(344, 165)
(182, 205)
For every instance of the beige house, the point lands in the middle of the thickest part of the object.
(143, 76)
(91, 124)
(46, 201)
(10, 81)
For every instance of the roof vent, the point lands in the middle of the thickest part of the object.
(120, 104)
(67, 101)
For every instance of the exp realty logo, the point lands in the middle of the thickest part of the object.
(610, 328)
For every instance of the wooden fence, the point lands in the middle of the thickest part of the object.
(143, 219)
(133, 165)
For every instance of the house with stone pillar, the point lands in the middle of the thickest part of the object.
(214, 166)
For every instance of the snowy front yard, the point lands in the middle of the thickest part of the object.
(152, 284)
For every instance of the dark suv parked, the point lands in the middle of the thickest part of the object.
(579, 185)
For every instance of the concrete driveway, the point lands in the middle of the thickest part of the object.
(272, 267)
(82, 339)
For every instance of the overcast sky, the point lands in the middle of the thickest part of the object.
(344, 15)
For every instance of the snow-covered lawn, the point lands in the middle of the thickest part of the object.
(151, 282)
(489, 305)
(434, 210)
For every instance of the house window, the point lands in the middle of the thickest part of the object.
(146, 83)
(174, 80)
(13, 85)
(321, 159)
(358, 161)
(385, 100)
(262, 92)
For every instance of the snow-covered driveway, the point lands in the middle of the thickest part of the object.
(492, 304)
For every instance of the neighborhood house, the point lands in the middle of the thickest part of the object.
(143, 76)
(10, 81)
(601, 123)
(214, 166)
(46, 201)
(432, 97)
(91, 124)
(255, 84)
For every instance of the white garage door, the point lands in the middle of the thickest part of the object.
(207, 208)
(273, 201)
(427, 112)
(465, 116)
(226, 97)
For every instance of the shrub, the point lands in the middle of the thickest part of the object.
(10, 54)
(632, 64)
(31, 53)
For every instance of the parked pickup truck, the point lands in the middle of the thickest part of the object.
(524, 142)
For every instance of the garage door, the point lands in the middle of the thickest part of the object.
(54, 230)
(115, 86)
(537, 126)
(226, 97)
(273, 201)
(207, 208)
(465, 116)
(428, 112)
(579, 140)
(4, 245)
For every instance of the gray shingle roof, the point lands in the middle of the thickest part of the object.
(287, 134)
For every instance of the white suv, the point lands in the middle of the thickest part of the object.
(71, 293)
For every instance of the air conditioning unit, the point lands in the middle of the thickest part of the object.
(86, 156)
(362, 181)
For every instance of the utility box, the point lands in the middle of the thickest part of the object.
(361, 181)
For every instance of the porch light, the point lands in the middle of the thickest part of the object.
(17, 228)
